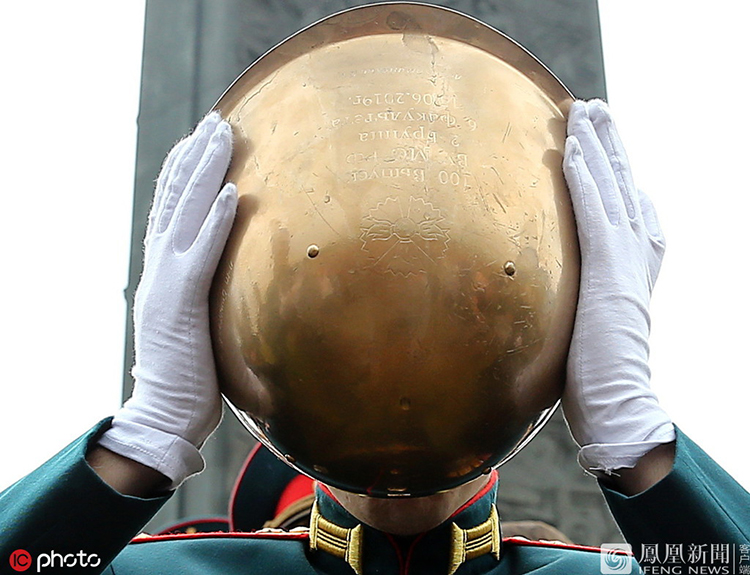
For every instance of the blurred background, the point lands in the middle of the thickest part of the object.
(73, 202)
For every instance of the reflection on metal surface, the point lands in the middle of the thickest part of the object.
(395, 303)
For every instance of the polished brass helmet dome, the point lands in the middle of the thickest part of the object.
(393, 310)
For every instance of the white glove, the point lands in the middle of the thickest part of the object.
(610, 408)
(176, 402)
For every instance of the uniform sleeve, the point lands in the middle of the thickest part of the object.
(697, 503)
(65, 507)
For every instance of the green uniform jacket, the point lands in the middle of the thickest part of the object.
(68, 521)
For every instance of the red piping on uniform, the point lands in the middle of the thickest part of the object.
(481, 493)
(392, 541)
(299, 487)
(190, 523)
(237, 482)
(221, 535)
(411, 550)
(324, 488)
(554, 544)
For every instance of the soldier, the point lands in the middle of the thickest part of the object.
(98, 493)
(83, 507)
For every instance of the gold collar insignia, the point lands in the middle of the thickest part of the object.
(347, 543)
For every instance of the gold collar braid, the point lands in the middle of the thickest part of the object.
(347, 543)
(338, 541)
(475, 542)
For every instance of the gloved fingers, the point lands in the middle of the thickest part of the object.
(202, 189)
(655, 236)
(165, 175)
(584, 194)
(214, 232)
(597, 161)
(650, 219)
(607, 133)
(181, 170)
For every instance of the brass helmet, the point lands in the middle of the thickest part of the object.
(394, 307)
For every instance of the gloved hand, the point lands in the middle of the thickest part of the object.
(176, 402)
(608, 403)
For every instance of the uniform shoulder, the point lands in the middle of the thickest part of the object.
(558, 545)
(556, 557)
(300, 534)
(215, 553)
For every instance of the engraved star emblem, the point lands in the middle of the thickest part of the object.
(404, 240)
